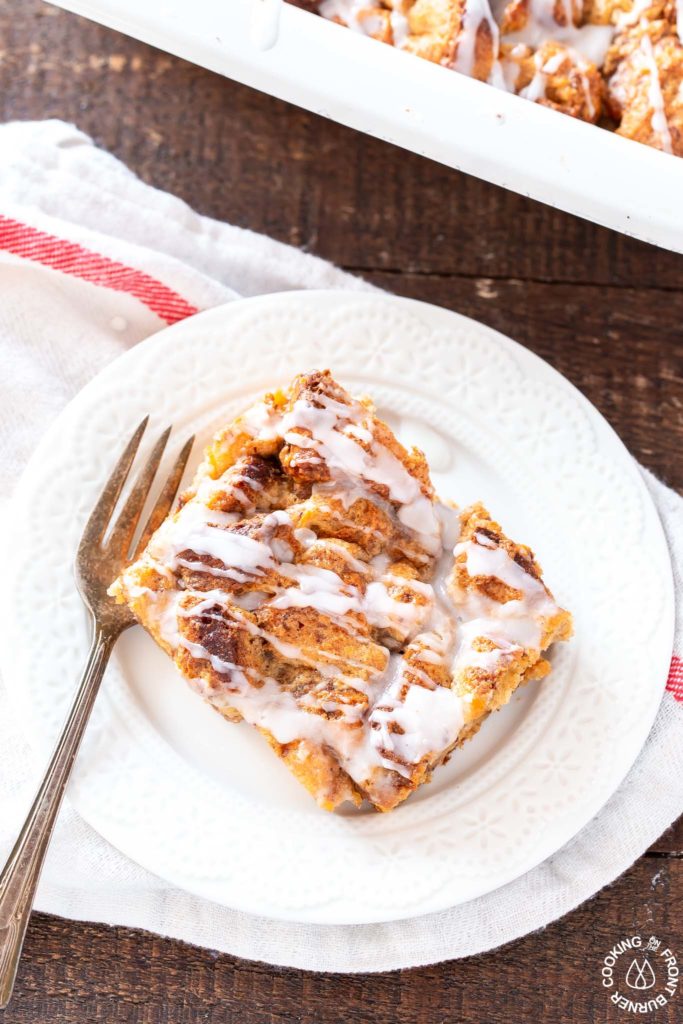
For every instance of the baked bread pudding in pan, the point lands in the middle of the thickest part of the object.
(618, 63)
(311, 584)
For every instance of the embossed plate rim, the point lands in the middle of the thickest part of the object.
(393, 857)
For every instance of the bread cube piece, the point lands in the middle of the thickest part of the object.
(555, 76)
(644, 74)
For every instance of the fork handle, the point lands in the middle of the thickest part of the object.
(20, 875)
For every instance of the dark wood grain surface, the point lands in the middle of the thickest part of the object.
(605, 310)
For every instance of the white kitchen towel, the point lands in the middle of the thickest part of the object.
(92, 261)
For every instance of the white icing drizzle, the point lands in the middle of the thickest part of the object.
(247, 558)
(587, 42)
(543, 13)
(660, 125)
(634, 16)
(359, 16)
(334, 434)
(587, 94)
(428, 718)
(262, 703)
(511, 626)
(400, 29)
(258, 420)
(347, 11)
(476, 14)
(553, 64)
(644, 54)
(535, 90)
(375, 709)
(364, 16)
(591, 41)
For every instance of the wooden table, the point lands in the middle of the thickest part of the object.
(603, 309)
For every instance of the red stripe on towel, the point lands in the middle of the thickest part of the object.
(674, 683)
(71, 258)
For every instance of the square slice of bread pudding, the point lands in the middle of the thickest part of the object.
(311, 584)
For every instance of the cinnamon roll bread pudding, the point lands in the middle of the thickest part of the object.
(617, 63)
(311, 584)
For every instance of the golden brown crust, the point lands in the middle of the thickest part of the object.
(537, 51)
(245, 631)
(605, 12)
(644, 72)
(318, 771)
(440, 29)
(431, 29)
(434, 26)
(490, 687)
(517, 13)
(558, 77)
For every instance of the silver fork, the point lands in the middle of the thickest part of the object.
(101, 556)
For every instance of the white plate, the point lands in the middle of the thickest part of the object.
(204, 803)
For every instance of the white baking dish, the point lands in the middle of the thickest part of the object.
(473, 127)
